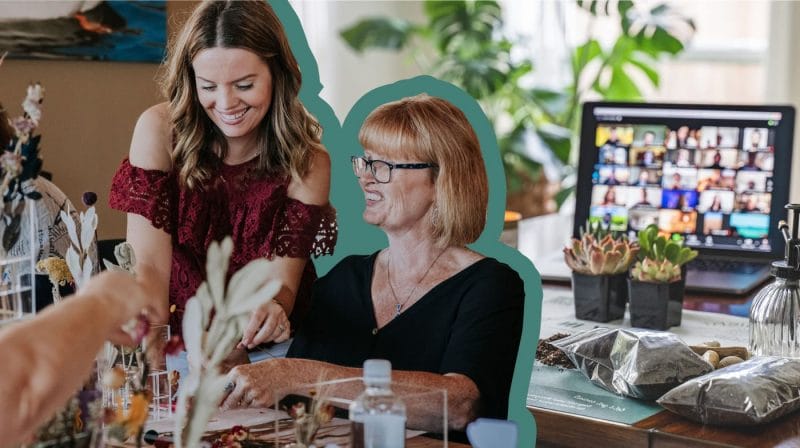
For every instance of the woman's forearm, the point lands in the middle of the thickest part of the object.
(424, 412)
(46, 359)
(153, 250)
(289, 271)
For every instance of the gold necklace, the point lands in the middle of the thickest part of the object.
(398, 306)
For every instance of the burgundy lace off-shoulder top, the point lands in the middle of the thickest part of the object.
(256, 212)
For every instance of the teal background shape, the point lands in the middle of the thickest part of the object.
(357, 237)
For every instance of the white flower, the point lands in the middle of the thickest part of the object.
(33, 102)
(11, 163)
(78, 261)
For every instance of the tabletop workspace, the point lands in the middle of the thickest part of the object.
(570, 411)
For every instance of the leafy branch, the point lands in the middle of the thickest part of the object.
(469, 49)
(214, 320)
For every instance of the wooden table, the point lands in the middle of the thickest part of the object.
(414, 442)
(427, 442)
(665, 429)
(421, 441)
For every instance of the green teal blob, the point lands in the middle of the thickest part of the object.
(357, 237)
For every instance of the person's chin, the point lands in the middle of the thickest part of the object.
(235, 131)
(370, 218)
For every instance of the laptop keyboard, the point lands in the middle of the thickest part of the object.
(737, 267)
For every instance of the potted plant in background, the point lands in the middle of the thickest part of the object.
(464, 42)
(599, 261)
(658, 280)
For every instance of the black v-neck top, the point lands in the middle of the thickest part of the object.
(470, 324)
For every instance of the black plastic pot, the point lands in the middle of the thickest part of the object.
(600, 298)
(658, 306)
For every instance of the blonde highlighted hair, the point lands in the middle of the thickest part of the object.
(287, 137)
(427, 129)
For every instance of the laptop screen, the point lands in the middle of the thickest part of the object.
(716, 175)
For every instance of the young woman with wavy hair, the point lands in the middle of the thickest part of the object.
(232, 152)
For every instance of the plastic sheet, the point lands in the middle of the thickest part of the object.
(635, 363)
(755, 391)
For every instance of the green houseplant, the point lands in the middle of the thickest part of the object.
(658, 280)
(599, 261)
(462, 42)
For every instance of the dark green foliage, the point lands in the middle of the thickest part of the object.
(471, 52)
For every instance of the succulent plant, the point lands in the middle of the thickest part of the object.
(660, 259)
(648, 270)
(600, 252)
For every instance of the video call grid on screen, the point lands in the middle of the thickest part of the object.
(706, 175)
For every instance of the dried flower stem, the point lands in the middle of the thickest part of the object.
(230, 305)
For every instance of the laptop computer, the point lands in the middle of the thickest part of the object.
(717, 175)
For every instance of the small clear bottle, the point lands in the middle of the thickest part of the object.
(378, 416)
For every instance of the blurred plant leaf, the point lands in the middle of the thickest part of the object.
(457, 22)
(557, 138)
(660, 42)
(584, 54)
(472, 52)
(621, 86)
(564, 194)
(651, 73)
(385, 33)
(553, 102)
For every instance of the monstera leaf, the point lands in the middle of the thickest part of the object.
(647, 34)
(470, 50)
(387, 33)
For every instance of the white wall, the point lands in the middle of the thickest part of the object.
(783, 72)
(88, 115)
(345, 75)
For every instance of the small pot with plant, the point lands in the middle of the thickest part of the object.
(658, 280)
(599, 261)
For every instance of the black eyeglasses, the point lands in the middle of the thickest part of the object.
(382, 170)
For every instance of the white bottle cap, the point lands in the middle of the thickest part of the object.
(377, 371)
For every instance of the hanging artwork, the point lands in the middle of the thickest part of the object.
(132, 31)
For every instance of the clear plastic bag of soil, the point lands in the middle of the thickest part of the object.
(752, 392)
(635, 363)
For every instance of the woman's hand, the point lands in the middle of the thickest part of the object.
(126, 299)
(267, 323)
(252, 385)
(238, 356)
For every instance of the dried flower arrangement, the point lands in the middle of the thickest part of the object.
(58, 273)
(236, 437)
(71, 427)
(213, 322)
(19, 162)
(121, 421)
(77, 267)
(126, 417)
(77, 257)
(306, 424)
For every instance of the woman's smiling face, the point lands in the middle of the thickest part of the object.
(403, 202)
(234, 86)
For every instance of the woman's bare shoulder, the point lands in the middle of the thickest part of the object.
(151, 145)
(314, 187)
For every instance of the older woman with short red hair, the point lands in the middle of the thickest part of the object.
(446, 316)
